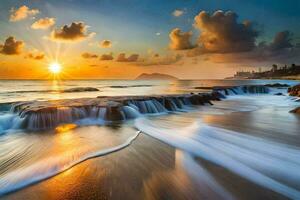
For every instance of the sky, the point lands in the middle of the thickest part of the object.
(120, 39)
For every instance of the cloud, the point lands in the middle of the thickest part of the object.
(177, 13)
(282, 40)
(132, 58)
(12, 46)
(280, 50)
(77, 31)
(156, 59)
(105, 44)
(107, 57)
(180, 40)
(87, 55)
(35, 55)
(22, 13)
(222, 33)
(43, 23)
(222, 39)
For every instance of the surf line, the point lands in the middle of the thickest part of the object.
(8, 187)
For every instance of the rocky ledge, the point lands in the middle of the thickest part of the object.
(38, 115)
(294, 91)
(244, 89)
(296, 110)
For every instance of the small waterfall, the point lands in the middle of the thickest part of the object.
(40, 115)
(131, 112)
(147, 106)
(160, 108)
(240, 90)
(5, 107)
(10, 121)
(102, 113)
(170, 105)
(93, 113)
(64, 115)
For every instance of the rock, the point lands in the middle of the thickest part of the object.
(294, 91)
(114, 113)
(296, 110)
(81, 89)
(217, 96)
(204, 88)
(278, 85)
(279, 94)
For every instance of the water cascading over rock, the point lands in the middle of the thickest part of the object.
(37, 115)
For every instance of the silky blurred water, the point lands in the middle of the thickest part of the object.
(253, 137)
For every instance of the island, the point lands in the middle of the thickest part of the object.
(155, 76)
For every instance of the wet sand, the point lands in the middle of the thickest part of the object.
(148, 169)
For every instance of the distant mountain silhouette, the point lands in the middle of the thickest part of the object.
(155, 76)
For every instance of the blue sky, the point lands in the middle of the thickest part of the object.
(132, 25)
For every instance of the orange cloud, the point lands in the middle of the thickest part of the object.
(43, 23)
(22, 13)
(107, 57)
(12, 46)
(75, 32)
(105, 44)
(156, 59)
(35, 55)
(89, 55)
(180, 40)
(131, 58)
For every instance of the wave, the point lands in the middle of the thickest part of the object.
(69, 90)
(44, 169)
(129, 86)
(268, 164)
(73, 90)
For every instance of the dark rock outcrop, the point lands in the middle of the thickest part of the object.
(279, 94)
(294, 91)
(277, 85)
(296, 110)
(81, 89)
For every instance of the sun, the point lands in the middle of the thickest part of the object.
(55, 68)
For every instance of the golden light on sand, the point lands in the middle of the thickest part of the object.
(65, 128)
(55, 68)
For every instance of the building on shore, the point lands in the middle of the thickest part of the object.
(275, 71)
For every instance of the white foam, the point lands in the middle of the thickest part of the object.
(269, 164)
(44, 169)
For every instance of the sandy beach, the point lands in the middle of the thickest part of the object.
(148, 169)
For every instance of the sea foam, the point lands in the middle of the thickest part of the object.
(269, 164)
(52, 166)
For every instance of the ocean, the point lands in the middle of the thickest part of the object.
(28, 90)
(246, 141)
